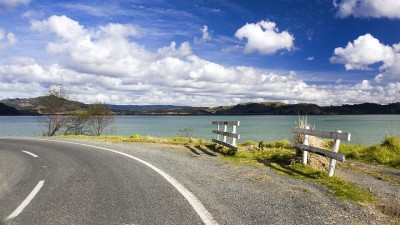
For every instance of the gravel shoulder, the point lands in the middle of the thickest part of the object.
(239, 194)
(382, 182)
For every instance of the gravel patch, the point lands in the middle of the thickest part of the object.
(387, 192)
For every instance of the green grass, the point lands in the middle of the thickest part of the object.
(144, 139)
(385, 154)
(341, 188)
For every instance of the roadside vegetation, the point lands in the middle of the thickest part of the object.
(58, 115)
(385, 154)
(144, 139)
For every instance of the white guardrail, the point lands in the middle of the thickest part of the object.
(333, 155)
(222, 130)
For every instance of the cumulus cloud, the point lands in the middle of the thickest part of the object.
(366, 51)
(368, 8)
(105, 63)
(264, 37)
(14, 3)
(104, 50)
(62, 26)
(363, 51)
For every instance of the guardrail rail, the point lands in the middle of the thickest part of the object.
(222, 130)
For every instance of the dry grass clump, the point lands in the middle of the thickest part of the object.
(313, 160)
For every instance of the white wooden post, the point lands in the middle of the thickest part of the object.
(225, 130)
(218, 130)
(233, 138)
(305, 153)
(332, 163)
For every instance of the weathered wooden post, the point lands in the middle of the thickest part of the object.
(225, 130)
(305, 142)
(218, 130)
(234, 132)
(332, 163)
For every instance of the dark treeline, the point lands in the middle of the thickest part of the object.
(30, 106)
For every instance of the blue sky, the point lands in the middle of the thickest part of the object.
(202, 53)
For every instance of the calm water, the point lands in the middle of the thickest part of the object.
(364, 129)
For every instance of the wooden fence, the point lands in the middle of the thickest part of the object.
(333, 155)
(222, 130)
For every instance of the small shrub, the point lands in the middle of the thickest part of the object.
(248, 143)
(138, 138)
(279, 144)
(282, 157)
(392, 142)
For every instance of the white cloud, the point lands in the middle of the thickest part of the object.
(62, 26)
(365, 51)
(206, 36)
(362, 52)
(310, 58)
(368, 8)
(171, 51)
(14, 3)
(264, 37)
(7, 38)
(105, 63)
(11, 38)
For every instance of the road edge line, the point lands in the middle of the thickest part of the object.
(26, 201)
(30, 153)
(201, 211)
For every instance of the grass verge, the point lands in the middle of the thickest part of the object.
(341, 188)
(386, 154)
(144, 139)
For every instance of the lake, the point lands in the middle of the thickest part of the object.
(364, 129)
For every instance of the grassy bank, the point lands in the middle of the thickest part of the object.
(386, 154)
(144, 139)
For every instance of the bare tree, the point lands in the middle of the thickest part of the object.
(77, 123)
(99, 117)
(53, 110)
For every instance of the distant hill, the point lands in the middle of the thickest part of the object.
(158, 110)
(277, 108)
(6, 110)
(31, 106)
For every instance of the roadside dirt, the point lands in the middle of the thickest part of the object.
(380, 181)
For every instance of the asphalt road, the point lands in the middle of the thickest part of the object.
(82, 181)
(77, 184)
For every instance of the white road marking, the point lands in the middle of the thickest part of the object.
(30, 153)
(189, 196)
(26, 201)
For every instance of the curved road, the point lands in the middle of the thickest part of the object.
(91, 182)
(48, 182)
